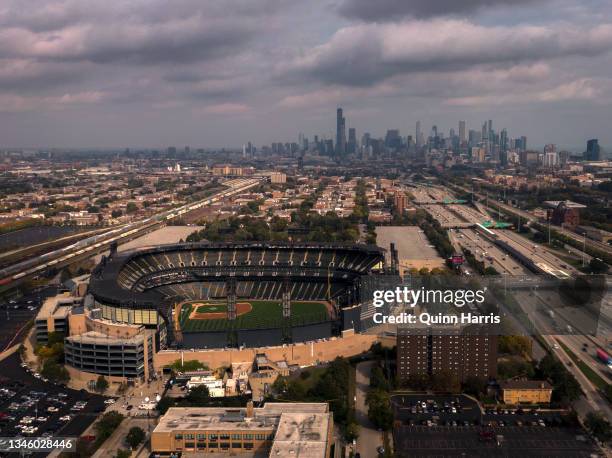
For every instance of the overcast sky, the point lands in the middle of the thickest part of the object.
(211, 73)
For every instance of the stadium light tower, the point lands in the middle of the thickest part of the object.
(286, 298)
(231, 298)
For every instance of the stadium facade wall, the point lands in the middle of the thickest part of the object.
(303, 354)
(259, 337)
(312, 332)
(209, 339)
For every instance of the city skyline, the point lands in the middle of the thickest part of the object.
(76, 74)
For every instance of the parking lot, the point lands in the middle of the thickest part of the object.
(31, 407)
(15, 313)
(443, 441)
(463, 411)
(457, 426)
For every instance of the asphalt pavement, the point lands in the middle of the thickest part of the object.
(369, 438)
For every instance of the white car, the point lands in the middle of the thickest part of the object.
(65, 418)
(109, 401)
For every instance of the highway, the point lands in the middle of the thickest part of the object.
(527, 216)
(16, 273)
(485, 251)
(538, 253)
(517, 259)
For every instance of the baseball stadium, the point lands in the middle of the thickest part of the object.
(238, 295)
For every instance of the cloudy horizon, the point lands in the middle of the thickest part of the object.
(78, 73)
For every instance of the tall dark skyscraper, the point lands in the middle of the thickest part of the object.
(352, 141)
(340, 133)
(461, 132)
(593, 152)
(503, 140)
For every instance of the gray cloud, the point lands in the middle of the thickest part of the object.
(366, 54)
(395, 10)
(139, 32)
(219, 73)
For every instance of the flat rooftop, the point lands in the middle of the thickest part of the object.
(301, 435)
(222, 418)
(57, 306)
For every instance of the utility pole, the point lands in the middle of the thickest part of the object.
(584, 250)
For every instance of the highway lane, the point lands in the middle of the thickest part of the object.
(594, 399)
(484, 250)
(536, 251)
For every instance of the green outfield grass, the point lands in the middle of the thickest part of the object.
(212, 307)
(264, 314)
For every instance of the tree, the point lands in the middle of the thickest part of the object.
(565, 387)
(116, 213)
(296, 391)
(515, 345)
(54, 371)
(101, 384)
(191, 365)
(164, 404)
(599, 426)
(514, 367)
(198, 396)
(106, 425)
(351, 431)
(121, 453)
(474, 385)
(379, 409)
(135, 436)
(378, 380)
(131, 207)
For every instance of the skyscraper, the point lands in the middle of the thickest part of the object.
(503, 141)
(461, 132)
(593, 152)
(551, 159)
(352, 141)
(418, 138)
(393, 139)
(340, 133)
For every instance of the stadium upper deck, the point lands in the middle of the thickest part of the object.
(146, 277)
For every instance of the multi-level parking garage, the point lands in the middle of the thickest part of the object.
(274, 283)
